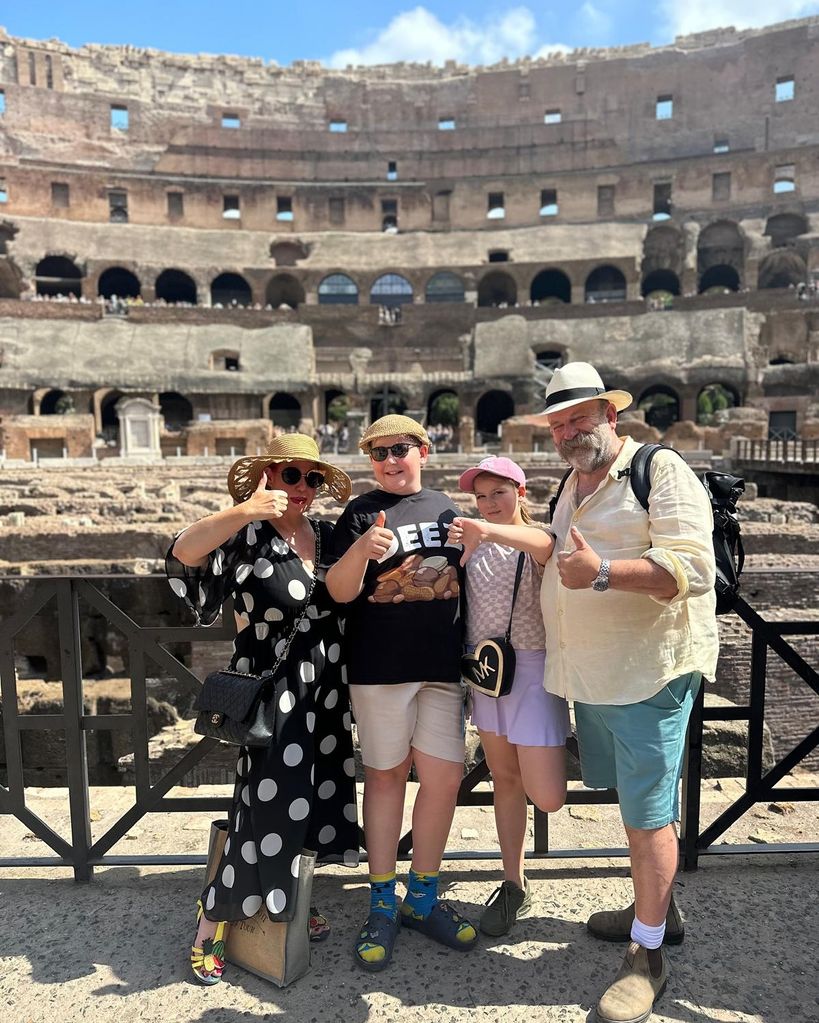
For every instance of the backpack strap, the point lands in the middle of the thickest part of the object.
(639, 471)
(553, 500)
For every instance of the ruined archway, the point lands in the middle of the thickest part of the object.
(444, 287)
(661, 405)
(550, 286)
(606, 284)
(175, 287)
(784, 228)
(55, 403)
(385, 402)
(58, 275)
(284, 290)
(720, 245)
(176, 410)
(714, 398)
(230, 289)
(719, 279)
(116, 280)
(284, 410)
(782, 268)
(664, 282)
(492, 408)
(497, 289)
(663, 249)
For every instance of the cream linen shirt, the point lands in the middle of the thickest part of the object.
(618, 647)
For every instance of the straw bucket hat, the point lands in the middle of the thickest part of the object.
(392, 425)
(577, 382)
(245, 473)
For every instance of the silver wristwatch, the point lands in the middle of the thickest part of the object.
(601, 583)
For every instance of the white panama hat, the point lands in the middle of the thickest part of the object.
(577, 382)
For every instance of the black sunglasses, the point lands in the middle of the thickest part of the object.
(379, 454)
(291, 476)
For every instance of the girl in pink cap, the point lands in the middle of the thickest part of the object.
(524, 733)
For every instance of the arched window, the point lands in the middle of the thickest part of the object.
(550, 286)
(661, 406)
(718, 279)
(338, 289)
(606, 284)
(109, 420)
(284, 410)
(116, 280)
(176, 410)
(230, 290)
(176, 288)
(336, 406)
(782, 268)
(662, 282)
(492, 408)
(444, 287)
(785, 227)
(57, 275)
(284, 290)
(497, 289)
(386, 402)
(391, 290)
(56, 403)
(443, 409)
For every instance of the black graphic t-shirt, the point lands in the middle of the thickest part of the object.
(405, 625)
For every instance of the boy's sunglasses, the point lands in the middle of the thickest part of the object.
(379, 454)
(291, 476)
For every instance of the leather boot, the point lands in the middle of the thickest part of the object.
(631, 997)
(615, 925)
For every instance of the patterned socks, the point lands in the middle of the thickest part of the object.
(422, 894)
(382, 893)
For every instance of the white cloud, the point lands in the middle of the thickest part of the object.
(700, 15)
(418, 35)
(594, 22)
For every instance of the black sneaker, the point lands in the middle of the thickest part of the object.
(505, 905)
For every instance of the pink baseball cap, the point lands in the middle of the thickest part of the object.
(498, 466)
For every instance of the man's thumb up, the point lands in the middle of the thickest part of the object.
(577, 538)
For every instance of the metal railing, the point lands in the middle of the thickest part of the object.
(64, 597)
(792, 454)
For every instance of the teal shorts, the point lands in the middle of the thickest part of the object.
(638, 749)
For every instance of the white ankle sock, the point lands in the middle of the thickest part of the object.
(648, 937)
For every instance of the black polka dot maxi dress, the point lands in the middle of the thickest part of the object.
(300, 791)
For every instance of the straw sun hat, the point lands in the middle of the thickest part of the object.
(393, 425)
(245, 473)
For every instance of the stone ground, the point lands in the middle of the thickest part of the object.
(115, 949)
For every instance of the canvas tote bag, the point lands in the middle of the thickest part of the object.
(276, 951)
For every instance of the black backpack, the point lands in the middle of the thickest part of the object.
(723, 492)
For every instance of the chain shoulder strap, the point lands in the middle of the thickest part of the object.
(317, 560)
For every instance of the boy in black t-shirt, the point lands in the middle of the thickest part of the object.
(399, 576)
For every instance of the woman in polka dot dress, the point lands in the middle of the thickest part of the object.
(300, 791)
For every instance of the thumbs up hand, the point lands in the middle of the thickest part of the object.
(578, 568)
(264, 503)
(378, 539)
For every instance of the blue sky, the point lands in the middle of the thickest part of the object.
(365, 31)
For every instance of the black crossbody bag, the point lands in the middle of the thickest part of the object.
(490, 669)
(239, 707)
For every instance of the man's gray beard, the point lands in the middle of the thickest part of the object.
(588, 452)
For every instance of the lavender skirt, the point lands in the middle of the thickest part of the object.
(528, 716)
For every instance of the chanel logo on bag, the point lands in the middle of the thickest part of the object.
(216, 719)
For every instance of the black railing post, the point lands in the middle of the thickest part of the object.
(756, 718)
(68, 616)
(541, 841)
(692, 785)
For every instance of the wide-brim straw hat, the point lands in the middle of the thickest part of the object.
(245, 473)
(393, 426)
(577, 382)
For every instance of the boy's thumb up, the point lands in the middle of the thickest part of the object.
(577, 538)
(381, 519)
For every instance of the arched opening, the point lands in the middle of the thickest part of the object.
(58, 275)
(606, 284)
(284, 290)
(176, 288)
(336, 407)
(497, 289)
(443, 415)
(116, 280)
(391, 290)
(491, 410)
(782, 360)
(720, 246)
(660, 283)
(56, 403)
(338, 289)
(717, 280)
(230, 290)
(285, 411)
(550, 287)
(176, 411)
(444, 287)
(714, 398)
(288, 253)
(783, 228)
(661, 406)
(387, 401)
(783, 268)
(109, 420)
(663, 249)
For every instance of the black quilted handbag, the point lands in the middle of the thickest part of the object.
(237, 708)
(240, 708)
